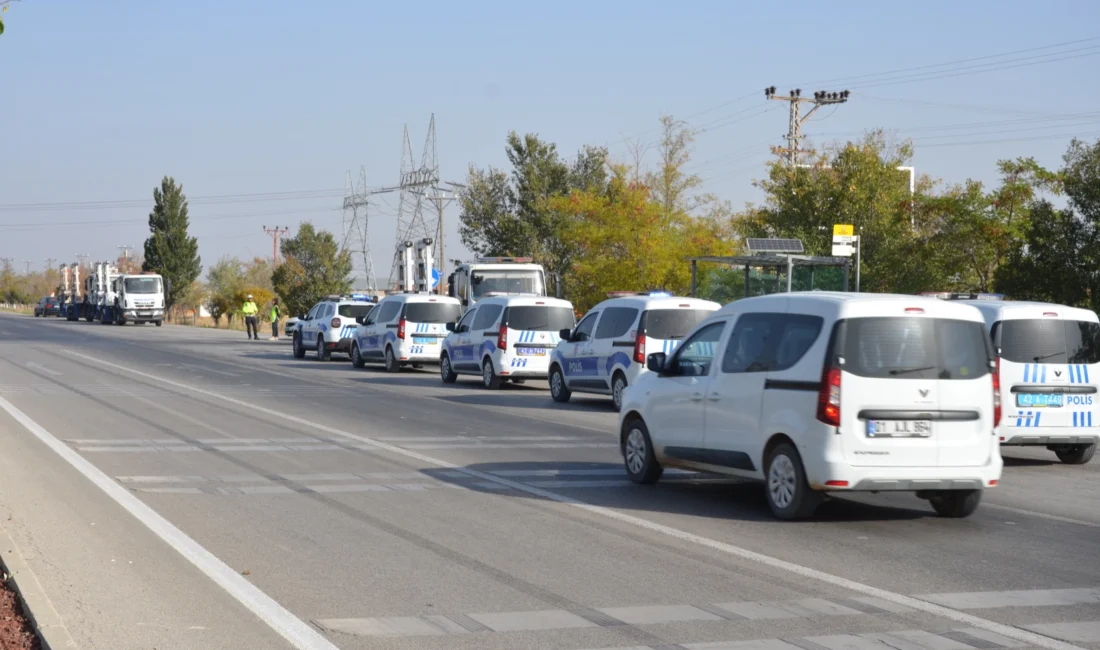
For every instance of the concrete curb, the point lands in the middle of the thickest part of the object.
(47, 622)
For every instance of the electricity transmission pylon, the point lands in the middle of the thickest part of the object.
(356, 229)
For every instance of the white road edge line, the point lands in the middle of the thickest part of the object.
(287, 625)
(37, 366)
(1025, 636)
(1042, 515)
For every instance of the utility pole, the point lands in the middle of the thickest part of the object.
(125, 256)
(794, 129)
(81, 257)
(28, 264)
(49, 262)
(275, 233)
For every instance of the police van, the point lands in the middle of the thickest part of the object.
(505, 338)
(330, 326)
(1048, 360)
(404, 329)
(607, 350)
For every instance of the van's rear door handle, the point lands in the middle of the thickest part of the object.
(714, 397)
(697, 397)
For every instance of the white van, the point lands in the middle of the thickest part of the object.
(404, 329)
(505, 337)
(606, 352)
(825, 392)
(1048, 358)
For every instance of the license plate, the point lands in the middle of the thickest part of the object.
(531, 352)
(145, 313)
(424, 340)
(899, 428)
(1038, 400)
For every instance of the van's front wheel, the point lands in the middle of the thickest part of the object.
(789, 494)
(1075, 454)
(956, 503)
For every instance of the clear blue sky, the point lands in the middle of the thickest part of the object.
(101, 99)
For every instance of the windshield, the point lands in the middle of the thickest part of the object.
(503, 281)
(664, 324)
(1048, 340)
(355, 311)
(540, 318)
(432, 312)
(915, 348)
(142, 285)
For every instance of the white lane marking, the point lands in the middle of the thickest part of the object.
(1028, 637)
(206, 369)
(287, 625)
(1027, 598)
(41, 368)
(1042, 515)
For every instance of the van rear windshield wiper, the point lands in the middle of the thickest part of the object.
(901, 371)
(1047, 356)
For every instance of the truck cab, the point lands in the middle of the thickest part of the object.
(139, 298)
(496, 276)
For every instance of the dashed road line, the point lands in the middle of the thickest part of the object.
(1029, 637)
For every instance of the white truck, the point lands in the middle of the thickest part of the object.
(119, 298)
(497, 276)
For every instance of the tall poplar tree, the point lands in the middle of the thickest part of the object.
(170, 250)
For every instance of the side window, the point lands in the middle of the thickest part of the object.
(751, 343)
(616, 322)
(693, 358)
(798, 336)
(369, 320)
(387, 311)
(486, 316)
(583, 332)
(464, 324)
(313, 312)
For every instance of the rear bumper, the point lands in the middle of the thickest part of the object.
(532, 367)
(418, 353)
(1011, 437)
(841, 477)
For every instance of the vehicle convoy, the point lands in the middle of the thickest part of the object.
(505, 338)
(824, 392)
(497, 276)
(404, 329)
(1048, 361)
(606, 352)
(330, 326)
(112, 297)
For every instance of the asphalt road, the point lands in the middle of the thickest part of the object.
(184, 488)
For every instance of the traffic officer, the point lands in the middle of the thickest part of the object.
(250, 310)
(274, 319)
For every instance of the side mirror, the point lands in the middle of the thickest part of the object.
(656, 362)
(565, 334)
(359, 320)
(450, 327)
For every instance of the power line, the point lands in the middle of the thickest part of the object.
(30, 226)
(201, 200)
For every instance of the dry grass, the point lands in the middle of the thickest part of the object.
(26, 310)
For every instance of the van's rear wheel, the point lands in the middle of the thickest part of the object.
(392, 364)
(956, 503)
(1075, 454)
(489, 377)
(788, 493)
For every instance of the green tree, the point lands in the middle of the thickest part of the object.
(511, 214)
(170, 250)
(313, 267)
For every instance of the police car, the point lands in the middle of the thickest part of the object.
(330, 326)
(505, 337)
(1048, 367)
(607, 350)
(404, 329)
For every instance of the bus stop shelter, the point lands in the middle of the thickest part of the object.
(778, 262)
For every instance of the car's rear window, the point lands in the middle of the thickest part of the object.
(540, 318)
(1048, 340)
(914, 348)
(355, 311)
(432, 312)
(664, 324)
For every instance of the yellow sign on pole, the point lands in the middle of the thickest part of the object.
(843, 230)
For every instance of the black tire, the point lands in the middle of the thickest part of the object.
(392, 364)
(446, 372)
(323, 353)
(158, 323)
(558, 390)
(299, 349)
(618, 386)
(356, 355)
(638, 456)
(489, 377)
(786, 489)
(1076, 454)
(956, 503)
(519, 380)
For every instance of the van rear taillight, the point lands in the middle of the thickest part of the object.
(997, 393)
(828, 399)
(914, 310)
(401, 329)
(502, 338)
(1050, 313)
(639, 348)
